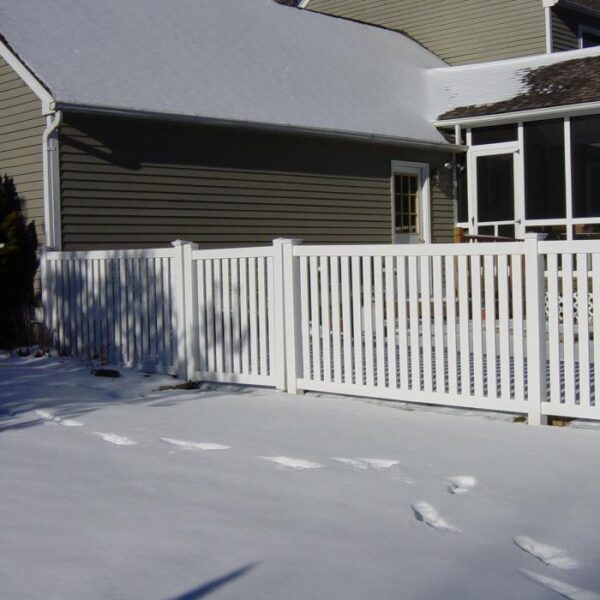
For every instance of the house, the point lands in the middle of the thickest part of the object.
(462, 32)
(232, 122)
(227, 122)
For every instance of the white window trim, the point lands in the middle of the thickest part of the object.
(586, 29)
(422, 169)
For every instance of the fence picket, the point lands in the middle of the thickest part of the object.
(346, 319)
(414, 293)
(325, 316)
(450, 302)
(227, 352)
(438, 323)
(315, 345)
(504, 327)
(490, 325)
(401, 277)
(583, 327)
(336, 319)
(305, 316)
(390, 320)
(464, 327)
(518, 328)
(568, 328)
(262, 315)
(357, 321)
(427, 367)
(378, 292)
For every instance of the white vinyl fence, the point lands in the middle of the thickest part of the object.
(492, 326)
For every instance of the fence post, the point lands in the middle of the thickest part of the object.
(535, 286)
(279, 351)
(186, 295)
(288, 330)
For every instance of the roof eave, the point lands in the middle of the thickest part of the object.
(566, 110)
(374, 138)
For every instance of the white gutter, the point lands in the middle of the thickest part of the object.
(303, 3)
(375, 138)
(52, 223)
(568, 110)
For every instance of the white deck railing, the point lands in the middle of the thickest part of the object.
(490, 326)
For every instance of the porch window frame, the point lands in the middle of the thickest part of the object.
(569, 221)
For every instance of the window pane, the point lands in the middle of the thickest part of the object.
(406, 201)
(589, 231)
(495, 134)
(506, 231)
(495, 188)
(585, 153)
(589, 39)
(544, 170)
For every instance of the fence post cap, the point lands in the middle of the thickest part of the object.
(177, 243)
(283, 240)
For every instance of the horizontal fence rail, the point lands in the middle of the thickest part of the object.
(497, 326)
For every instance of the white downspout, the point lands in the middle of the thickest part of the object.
(51, 183)
(548, 4)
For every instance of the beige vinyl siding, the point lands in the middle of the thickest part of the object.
(138, 183)
(21, 130)
(459, 31)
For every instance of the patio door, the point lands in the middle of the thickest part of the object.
(495, 190)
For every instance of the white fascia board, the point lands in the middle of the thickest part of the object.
(29, 78)
(568, 110)
(549, 3)
(303, 3)
(263, 126)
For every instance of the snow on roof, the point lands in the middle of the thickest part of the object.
(516, 84)
(238, 60)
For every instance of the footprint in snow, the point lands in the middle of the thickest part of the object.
(366, 463)
(428, 514)
(549, 555)
(52, 419)
(461, 484)
(566, 590)
(113, 438)
(292, 463)
(185, 445)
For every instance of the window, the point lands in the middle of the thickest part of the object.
(406, 203)
(544, 170)
(495, 134)
(588, 36)
(585, 161)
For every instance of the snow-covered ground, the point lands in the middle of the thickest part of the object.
(113, 490)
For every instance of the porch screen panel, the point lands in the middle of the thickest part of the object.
(585, 156)
(495, 188)
(545, 196)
